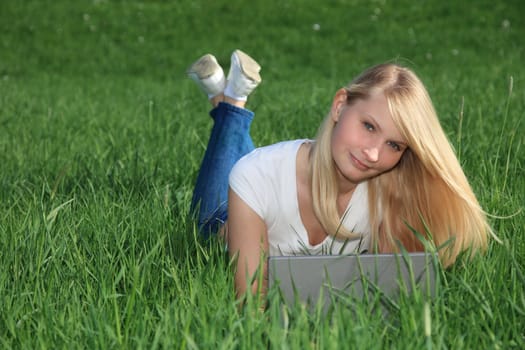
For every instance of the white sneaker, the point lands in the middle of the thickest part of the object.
(243, 76)
(208, 75)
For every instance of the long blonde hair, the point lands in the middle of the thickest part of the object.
(426, 192)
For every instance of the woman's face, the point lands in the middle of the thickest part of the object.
(365, 140)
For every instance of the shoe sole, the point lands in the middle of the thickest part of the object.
(204, 67)
(249, 66)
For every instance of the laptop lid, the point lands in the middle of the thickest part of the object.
(332, 277)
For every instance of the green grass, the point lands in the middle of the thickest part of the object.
(101, 136)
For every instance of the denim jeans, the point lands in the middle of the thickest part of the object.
(229, 140)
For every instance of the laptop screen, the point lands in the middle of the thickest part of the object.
(332, 277)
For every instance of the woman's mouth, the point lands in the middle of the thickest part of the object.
(358, 164)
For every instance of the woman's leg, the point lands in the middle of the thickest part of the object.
(229, 141)
(230, 136)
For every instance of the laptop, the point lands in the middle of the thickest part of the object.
(332, 279)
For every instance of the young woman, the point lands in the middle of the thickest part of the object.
(380, 169)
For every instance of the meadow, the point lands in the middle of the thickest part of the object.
(102, 134)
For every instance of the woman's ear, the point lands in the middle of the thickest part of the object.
(338, 104)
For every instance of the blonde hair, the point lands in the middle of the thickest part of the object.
(426, 192)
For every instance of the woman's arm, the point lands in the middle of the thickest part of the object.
(247, 238)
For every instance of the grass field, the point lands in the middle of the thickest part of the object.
(101, 136)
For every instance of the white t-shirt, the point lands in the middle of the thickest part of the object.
(265, 180)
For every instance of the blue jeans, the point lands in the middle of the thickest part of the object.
(229, 140)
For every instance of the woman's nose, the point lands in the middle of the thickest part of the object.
(372, 154)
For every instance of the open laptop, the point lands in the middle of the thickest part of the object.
(332, 278)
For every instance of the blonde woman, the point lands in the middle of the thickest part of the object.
(380, 169)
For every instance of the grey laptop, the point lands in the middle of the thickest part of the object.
(328, 278)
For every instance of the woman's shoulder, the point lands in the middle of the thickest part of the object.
(261, 177)
(274, 152)
(281, 147)
(267, 162)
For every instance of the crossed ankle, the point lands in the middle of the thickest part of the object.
(243, 77)
(234, 102)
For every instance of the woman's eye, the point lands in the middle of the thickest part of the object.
(394, 146)
(368, 126)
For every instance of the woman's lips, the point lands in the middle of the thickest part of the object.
(360, 165)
